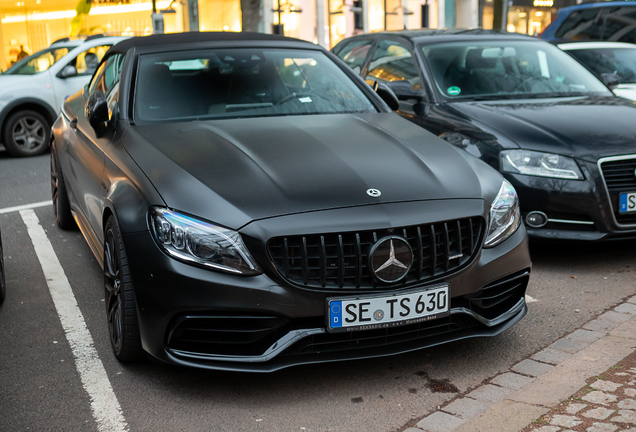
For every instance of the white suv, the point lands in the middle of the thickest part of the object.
(32, 90)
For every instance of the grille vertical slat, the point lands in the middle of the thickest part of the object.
(358, 261)
(419, 253)
(303, 257)
(323, 259)
(334, 261)
(341, 267)
(433, 251)
(447, 242)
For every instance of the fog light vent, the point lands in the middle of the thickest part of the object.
(536, 219)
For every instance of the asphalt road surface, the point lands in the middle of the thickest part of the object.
(43, 386)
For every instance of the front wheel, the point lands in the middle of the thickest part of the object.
(26, 133)
(121, 307)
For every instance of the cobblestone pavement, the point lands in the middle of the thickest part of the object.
(585, 381)
(606, 404)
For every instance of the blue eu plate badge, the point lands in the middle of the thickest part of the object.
(336, 314)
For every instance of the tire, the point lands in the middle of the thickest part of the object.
(26, 133)
(59, 196)
(121, 307)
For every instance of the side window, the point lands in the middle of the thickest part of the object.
(106, 79)
(393, 64)
(355, 53)
(583, 25)
(86, 62)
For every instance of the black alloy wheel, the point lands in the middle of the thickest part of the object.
(59, 196)
(3, 286)
(121, 309)
(26, 133)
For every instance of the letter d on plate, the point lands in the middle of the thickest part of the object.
(335, 314)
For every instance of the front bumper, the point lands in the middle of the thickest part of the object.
(195, 317)
(577, 210)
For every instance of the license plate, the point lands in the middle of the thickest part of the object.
(382, 310)
(627, 201)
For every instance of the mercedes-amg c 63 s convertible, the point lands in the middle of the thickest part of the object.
(255, 205)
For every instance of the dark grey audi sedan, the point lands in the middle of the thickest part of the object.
(255, 205)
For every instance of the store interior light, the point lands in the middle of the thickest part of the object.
(539, 13)
(511, 28)
(523, 15)
(95, 10)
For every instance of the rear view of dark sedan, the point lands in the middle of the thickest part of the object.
(255, 205)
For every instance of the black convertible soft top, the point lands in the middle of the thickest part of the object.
(193, 37)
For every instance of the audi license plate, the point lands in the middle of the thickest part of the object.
(382, 310)
(627, 201)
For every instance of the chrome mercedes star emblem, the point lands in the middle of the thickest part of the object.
(391, 261)
(374, 193)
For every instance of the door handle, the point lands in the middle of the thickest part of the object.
(74, 123)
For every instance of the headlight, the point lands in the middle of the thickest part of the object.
(196, 241)
(504, 215)
(539, 164)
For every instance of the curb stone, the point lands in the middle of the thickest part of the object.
(511, 401)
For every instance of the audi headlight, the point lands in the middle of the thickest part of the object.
(200, 242)
(540, 164)
(504, 215)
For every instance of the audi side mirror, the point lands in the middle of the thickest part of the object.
(610, 80)
(387, 95)
(67, 72)
(97, 112)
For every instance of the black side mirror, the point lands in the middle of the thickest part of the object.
(67, 72)
(610, 80)
(97, 112)
(387, 95)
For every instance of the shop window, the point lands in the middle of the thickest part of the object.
(393, 64)
(355, 53)
(585, 24)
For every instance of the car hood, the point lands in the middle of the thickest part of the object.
(240, 170)
(587, 128)
(627, 91)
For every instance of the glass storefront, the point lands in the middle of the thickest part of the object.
(529, 20)
(219, 15)
(32, 25)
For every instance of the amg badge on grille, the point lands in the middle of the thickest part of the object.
(390, 259)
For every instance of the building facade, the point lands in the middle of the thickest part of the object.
(31, 25)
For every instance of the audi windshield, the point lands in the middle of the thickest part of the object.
(508, 70)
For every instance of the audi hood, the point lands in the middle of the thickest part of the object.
(587, 128)
(239, 170)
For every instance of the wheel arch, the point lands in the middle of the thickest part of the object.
(33, 104)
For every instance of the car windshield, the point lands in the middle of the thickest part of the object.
(38, 62)
(231, 83)
(508, 70)
(619, 61)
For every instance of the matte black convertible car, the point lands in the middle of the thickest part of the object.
(256, 205)
(563, 140)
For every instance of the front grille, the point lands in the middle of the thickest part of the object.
(340, 260)
(620, 177)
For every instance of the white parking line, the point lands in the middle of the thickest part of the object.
(25, 207)
(104, 404)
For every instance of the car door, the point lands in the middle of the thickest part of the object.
(77, 72)
(394, 64)
(86, 155)
(355, 53)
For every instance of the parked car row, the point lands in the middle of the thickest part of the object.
(255, 204)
